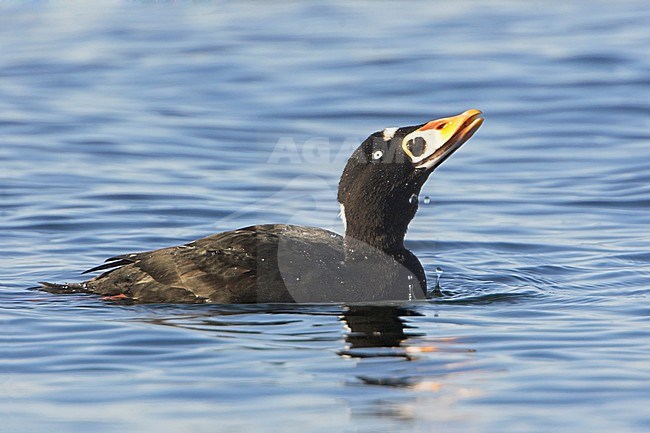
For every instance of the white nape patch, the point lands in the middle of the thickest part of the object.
(389, 133)
(342, 215)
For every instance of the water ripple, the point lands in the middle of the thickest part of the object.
(130, 127)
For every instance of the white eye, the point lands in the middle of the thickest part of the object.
(377, 154)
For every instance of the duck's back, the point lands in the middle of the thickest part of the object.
(247, 265)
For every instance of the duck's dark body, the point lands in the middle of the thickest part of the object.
(283, 263)
(261, 264)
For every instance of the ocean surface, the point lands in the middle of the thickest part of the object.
(129, 126)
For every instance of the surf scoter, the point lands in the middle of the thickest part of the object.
(285, 263)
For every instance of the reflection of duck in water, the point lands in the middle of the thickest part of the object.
(375, 326)
(283, 263)
(382, 331)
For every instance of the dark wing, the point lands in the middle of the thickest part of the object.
(218, 268)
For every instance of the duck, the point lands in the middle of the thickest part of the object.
(280, 263)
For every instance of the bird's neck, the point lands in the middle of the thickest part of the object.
(380, 229)
(374, 239)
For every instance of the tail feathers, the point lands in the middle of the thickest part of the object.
(63, 288)
(113, 262)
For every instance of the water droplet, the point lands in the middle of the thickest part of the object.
(413, 199)
(410, 277)
(438, 275)
(426, 200)
(297, 278)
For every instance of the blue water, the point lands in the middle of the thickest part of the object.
(128, 127)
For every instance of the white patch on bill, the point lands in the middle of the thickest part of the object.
(389, 133)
